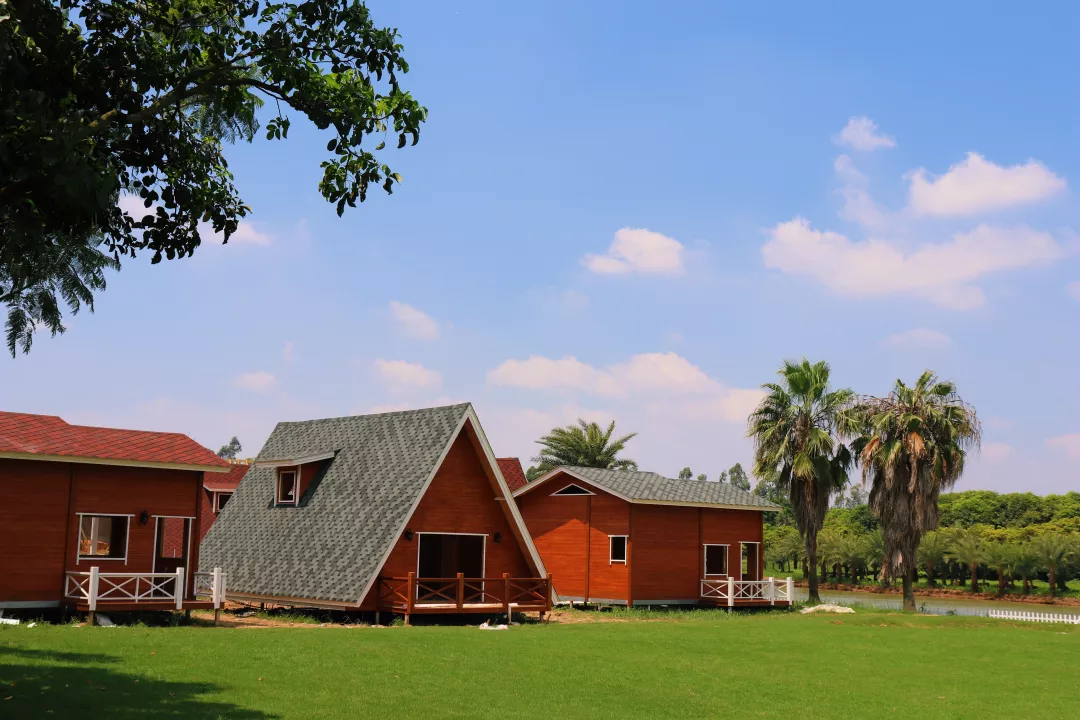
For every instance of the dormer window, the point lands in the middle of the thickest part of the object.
(288, 487)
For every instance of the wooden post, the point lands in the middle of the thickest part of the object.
(772, 591)
(411, 585)
(549, 592)
(730, 591)
(460, 590)
(588, 545)
(506, 596)
(790, 591)
(179, 588)
(92, 593)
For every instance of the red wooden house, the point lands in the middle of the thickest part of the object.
(90, 515)
(218, 489)
(404, 512)
(637, 538)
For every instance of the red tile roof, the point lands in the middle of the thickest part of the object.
(226, 481)
(25, 434)
(511, 470)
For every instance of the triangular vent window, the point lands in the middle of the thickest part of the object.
(573, 490)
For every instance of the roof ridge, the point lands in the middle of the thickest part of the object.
(378, 414)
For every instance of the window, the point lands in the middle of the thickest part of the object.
(573, 490)
(220, 499)
(617, 552)
(716, 558)
(103, 537)
(288, 487)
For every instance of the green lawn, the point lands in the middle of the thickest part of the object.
(872, 664)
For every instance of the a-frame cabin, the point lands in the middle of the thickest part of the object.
(404, 512)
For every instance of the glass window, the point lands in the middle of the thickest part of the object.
(716, 559)
(103, 536)
(220, 499)
(618, 548)
(287, 487)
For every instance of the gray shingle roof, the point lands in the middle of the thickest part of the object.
(332, 544)
(651, 487)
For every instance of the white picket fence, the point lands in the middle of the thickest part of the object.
(729, 591)
(1028, 616)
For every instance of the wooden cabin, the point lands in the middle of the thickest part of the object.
(96, 518)
(637, 538)
(402, 512)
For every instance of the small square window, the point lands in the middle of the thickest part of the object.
(288, 487)
(103, 537)
(617, 552)
(220, 499)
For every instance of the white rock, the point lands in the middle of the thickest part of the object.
(827, 608)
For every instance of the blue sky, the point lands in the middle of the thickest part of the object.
(634, 212)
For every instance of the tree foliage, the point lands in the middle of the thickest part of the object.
(109, 97)
(911, 444)
(794, 429)
(230, 450)
(686, 474)
(583, 445)
(738, 478)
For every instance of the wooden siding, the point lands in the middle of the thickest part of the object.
(665, 549)
(33, 506)
(39, 521)
(462, 498)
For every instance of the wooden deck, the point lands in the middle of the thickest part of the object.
(411, 595)
(140, 606)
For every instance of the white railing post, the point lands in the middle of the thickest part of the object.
(790, 591)
(731, 592)
(218, 594)
(772, 591)
(92, 589)
(179, 590)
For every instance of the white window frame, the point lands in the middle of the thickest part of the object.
(611, 546)
(748, 542)
(296, 487)
(705, 559)
(561, 492)
(190, 530)
(79, 557)
(217, 500)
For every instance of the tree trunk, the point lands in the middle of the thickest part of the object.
(930, 575)
(1001, 583)
(812, 579)
(974, 578)
(909, 591)
(1052, 573)
(1027, 585)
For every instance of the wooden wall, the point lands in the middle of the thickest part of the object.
(666, 550)
(462, 498)
(39, 525)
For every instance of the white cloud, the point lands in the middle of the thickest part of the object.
(918, 338)
(977, 185)
(859, 206)
(941, 273)
(862, 133)
(289, 351)
(246, 232)
(638, 251)
(681, 386)
(997, 452)
(402, 375)
(414, 323)
(1068, 444)
(1073, 289)
(259, 381)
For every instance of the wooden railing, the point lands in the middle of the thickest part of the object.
(730, 591)
(97, 588)
(412, 594)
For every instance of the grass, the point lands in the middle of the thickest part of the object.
(700, 664)
(986, 586)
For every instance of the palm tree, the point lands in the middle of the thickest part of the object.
(968, 550)
(1000, 557)
(875, 553)
(792, 548)
(1026, 564)
(1051, 550)
(830, 553)
(795, 440)
(912, 444)
(583, 445)
(932, 551)
(853, 551)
